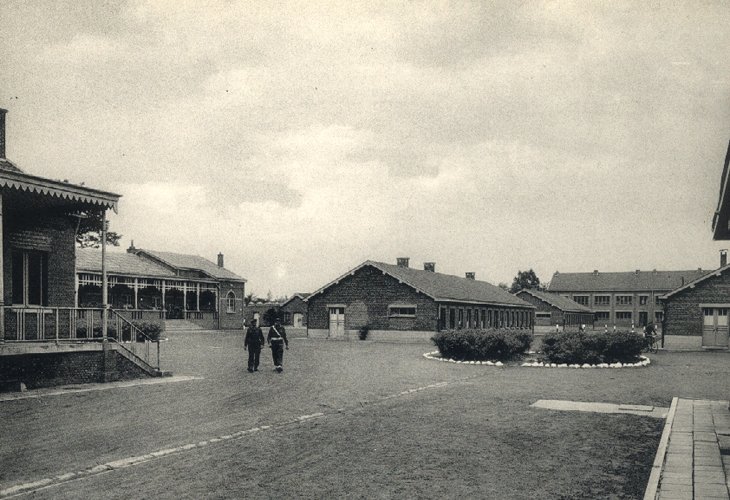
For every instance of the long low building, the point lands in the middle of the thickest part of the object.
(400, 303)
(553, 309)
(150, 285)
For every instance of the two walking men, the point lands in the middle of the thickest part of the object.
(254, 341)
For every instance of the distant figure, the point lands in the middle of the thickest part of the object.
(253, 341)
(277, 340)
(649, 330)
(582, 328)
(606, 328)
(557, 328)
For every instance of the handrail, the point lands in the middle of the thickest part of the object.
(139, 358)
(137, 332)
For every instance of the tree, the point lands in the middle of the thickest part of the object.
(271, 316)
(525, 280)
(249, 298)
(89, 231)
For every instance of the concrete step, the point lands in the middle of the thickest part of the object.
(181, 325)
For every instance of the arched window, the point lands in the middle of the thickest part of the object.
(231, 302)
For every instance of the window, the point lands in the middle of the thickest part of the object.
(461, 318)
(543, 315)
(602, 315)
(624, 315)
(581, 299)
(643, 299)
(230, 302)
(602, 300)
(659, 316)
(30, 278)
(657, 301)
(484, 320)
(402, 311)
(468, 318)
(624, 300)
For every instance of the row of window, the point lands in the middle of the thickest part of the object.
(625, 316)
(460, 317)
(605, 300)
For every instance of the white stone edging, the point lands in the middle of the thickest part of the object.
(539, 364)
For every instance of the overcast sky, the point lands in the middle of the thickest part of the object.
(303, 138)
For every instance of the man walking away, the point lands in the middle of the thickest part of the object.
(253, 341)
(277, 340)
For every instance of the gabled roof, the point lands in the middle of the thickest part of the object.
(721, 219)
(302, 296)
(441, 287)
(89, 260)
(191, 262)
(695, 282)
(9, 166)
(637, 281)
(555, 300)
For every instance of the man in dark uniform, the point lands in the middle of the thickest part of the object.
(253, 341)
(277, 340)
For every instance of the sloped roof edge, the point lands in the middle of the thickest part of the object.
(693, 283)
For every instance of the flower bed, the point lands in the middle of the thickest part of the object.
(540, 364)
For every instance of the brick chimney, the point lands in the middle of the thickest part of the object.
(595, 272)
(429, 266)
(2, 133)
(402, 261)
(723, 257)
(471, 276)
(220, 260)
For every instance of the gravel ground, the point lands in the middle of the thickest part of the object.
(476, 435)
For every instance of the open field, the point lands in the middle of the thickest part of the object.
(467, 430)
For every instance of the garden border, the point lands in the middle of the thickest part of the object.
(539, 364)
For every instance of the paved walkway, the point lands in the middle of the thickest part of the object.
(694, 454)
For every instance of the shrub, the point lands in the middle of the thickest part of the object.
(592, 348)
(151, 330)
(482, 345)
(362, 333)
(111, 332)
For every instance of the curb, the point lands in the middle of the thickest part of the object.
(656, 468)
(538, 364)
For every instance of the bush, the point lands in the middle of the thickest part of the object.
(482, 345)
(592, 348)
(362, 333)
(151, 330)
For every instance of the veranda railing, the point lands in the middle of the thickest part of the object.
(63, 324)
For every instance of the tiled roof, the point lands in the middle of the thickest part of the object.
(693, 283)
(89, 259)
(185, 261)
(445, 287)
(555, 300)
(637, 281)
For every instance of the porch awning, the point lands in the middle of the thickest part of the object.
(22, 182)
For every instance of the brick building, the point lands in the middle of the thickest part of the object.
(294, 311)
(397, 302)
(153, 285)
(696, 314)
(553, 309)
(44, 338)
(624, 298)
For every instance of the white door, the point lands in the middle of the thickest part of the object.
(337, 322)
(298, 320)
(714, 327)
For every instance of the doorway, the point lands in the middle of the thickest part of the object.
(337, 322)
(714, 327)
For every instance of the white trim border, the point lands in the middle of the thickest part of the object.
(539, 364)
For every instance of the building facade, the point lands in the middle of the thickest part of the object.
(44, 338)
(294, 311)
(553, 309)
(622, 299)
(396, 302)
(151, 285)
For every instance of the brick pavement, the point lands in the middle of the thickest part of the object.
(697, 459)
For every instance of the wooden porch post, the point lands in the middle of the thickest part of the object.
(163, 297)
(185, 300)
(2, 276)
(197, 298)
(136, 293)
(104, 284)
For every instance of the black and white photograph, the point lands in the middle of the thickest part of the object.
(364, 249)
